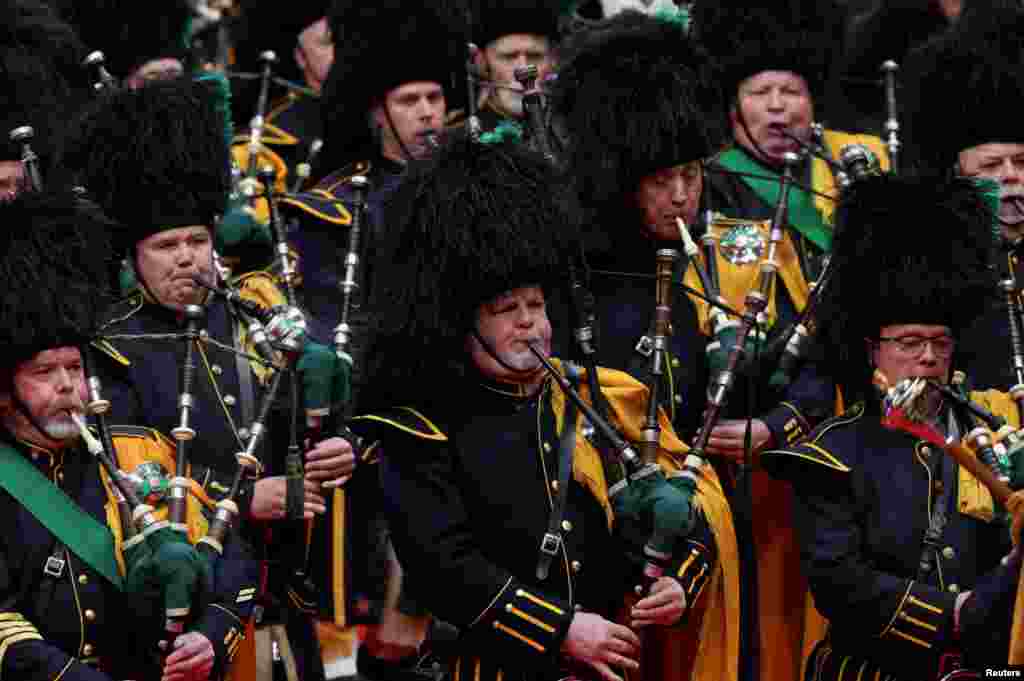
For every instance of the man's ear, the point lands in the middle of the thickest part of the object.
(377, 117)
(300, 57)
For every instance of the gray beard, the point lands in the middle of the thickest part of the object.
(60, 429)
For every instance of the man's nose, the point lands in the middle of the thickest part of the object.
(185, 256)
(678, 191)
(928, 356)
(1012, 172)
(65, 381)
(775, 101)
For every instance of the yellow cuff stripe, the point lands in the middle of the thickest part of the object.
(515, 634)
(926, 606)
(11, 617)
(538, 601)
(531, 619)
(912, 639)
(913, 620)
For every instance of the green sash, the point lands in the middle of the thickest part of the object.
(803, 215)
(79, 531)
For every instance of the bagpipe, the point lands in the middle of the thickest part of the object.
(992, 453)
(654, 503)
(780, 355)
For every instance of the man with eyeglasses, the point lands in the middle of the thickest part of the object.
(902, 548)
(967, 71)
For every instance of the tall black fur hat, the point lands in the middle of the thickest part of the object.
(493, 19)
(154, 158)
(635, 97)
(276, 27)
(55, 261)
(463, 227)
(908, 250)
(41, 81)
(377, 47)
(130, 32)
(745, 39)
(967, 85)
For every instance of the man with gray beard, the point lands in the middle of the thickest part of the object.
(67, 607)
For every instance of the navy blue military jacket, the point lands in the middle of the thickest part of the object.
(864, 496)
(985, 349)
(625, 315)
(78, 622)
(321, 232)
(143, 382)
(810, 397)
(469, 502)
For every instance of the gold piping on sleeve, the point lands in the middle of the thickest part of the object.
(913, 620)
(531, 619)
(539, 601)
(927, 606)
(515, 634)
(912, 639)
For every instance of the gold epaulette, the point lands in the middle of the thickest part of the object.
(272, 135)
(322, 202)
(407, 420)
(779, 461)
(121, 311)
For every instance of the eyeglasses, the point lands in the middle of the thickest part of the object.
(913, 346)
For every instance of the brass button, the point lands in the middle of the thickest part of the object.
(678, 398)
(926, 450)
(554, 485)
(90, 615)
(953, 588)
(60, 476)
(83, 579)
(577, 608)
(216, 369)
(547, 447)
(87, 649)
(948, 553)
(35, 456)
(938, 487)
(509, 607)
(230, 400)
(567, 526)
(577, 566)
(675, 363)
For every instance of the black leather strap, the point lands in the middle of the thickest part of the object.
(552, 541)
(931, 543)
